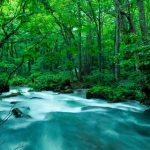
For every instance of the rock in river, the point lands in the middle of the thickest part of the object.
(19, 114)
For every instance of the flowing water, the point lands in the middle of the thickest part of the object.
(71, 122)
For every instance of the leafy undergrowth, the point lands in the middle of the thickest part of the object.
(115, 93)
(132, 86)
(54, 82)
(18, 81)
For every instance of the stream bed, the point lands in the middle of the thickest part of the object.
(71, 122)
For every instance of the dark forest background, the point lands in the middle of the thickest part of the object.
(103, 45)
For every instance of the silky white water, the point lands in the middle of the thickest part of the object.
(71, 122)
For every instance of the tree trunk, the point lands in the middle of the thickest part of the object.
(117, 41)
(87, 56)
(99, 36)
(79, 40)
(142, 20)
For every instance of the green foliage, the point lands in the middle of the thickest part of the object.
(49, 35)
(48, 81)
(105, 77)
(3, 79)
(18, 81)
(115, 93)
(6, 67)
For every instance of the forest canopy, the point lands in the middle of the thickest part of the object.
(103, 45)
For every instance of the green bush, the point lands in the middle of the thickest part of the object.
(115, 93)
(105, 77)
(3, 78)
(18, 80)
(6, 67)
(48, 81)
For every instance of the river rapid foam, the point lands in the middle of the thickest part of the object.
(71, 122)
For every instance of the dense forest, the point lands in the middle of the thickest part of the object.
(62, 45)
(74, 74)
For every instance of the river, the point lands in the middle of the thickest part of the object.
(71, 122)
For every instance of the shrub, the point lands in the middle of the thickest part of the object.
(105, 77)
(18, 80)
(3, 78)
(115, 93)
(48, 81)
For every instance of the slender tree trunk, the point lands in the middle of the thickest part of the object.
(87, 56)
(117, 41)
(130, 19)
(132, 30)
(79, 40)
(98, 25)
(142, 20)
(99, 36)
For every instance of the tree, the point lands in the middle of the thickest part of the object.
(142, 20)
(117, 39)
(80, 39)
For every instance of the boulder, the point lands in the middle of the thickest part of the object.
(14, 102)
(17, 113)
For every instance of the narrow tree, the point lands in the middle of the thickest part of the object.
(79, 40)
(142, 20)
(117, 39)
